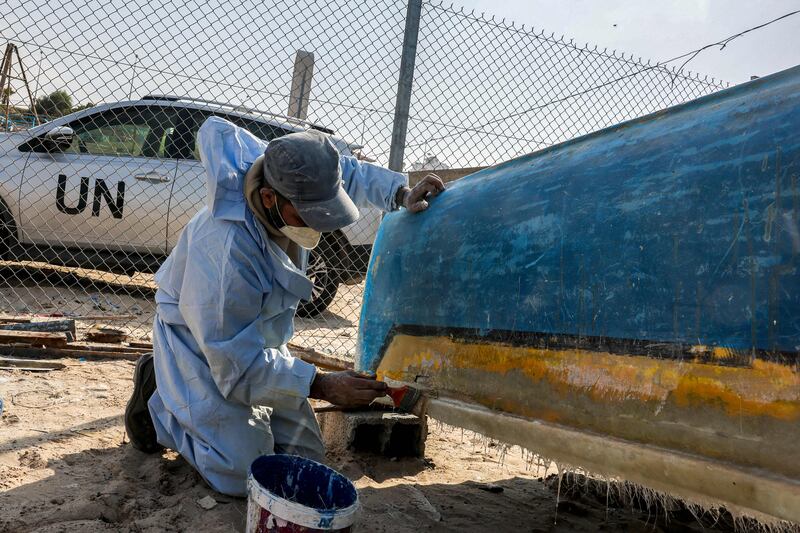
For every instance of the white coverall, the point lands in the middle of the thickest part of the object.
(228, 390)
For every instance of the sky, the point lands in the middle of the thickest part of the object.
(663, 29)
(483, 91)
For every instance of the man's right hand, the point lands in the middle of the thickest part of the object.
(346, 388)
(416, 200)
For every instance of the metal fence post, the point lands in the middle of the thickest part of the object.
(404, 85)
(301, 84)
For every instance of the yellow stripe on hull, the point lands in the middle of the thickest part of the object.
(748, 416)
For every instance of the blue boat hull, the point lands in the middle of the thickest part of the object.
(640, 283)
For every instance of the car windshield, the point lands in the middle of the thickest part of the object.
(127, 131)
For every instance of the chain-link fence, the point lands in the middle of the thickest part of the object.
(101, 175)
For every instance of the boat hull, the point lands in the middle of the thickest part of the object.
(639, 284)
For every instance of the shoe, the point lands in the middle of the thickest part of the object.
(138, 423)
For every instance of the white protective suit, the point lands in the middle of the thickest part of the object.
(228, 390)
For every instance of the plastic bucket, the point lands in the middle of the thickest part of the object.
(291, 494)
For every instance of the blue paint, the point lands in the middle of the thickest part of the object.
(681, 226)
(305, 482)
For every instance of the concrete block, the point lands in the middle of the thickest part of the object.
(380, 432)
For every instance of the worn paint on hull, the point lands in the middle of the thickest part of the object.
(640, 283)
(744, 491)
(723, 412)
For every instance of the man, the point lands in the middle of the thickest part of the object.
(221, 388)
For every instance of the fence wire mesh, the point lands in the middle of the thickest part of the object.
(102, 101)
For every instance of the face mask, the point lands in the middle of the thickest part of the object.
(304, 237)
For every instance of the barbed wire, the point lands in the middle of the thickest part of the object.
(724, 42)
(560, 41)
(661, 64)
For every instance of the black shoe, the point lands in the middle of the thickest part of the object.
(138, 423)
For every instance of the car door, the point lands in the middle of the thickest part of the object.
(110, 189)
(189, 189)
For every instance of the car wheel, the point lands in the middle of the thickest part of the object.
(7, 237)
(325, 282)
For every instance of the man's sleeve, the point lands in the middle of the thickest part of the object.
(371, 185)
(226, 151)
(221, 301)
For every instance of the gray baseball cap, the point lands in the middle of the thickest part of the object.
(304, 168)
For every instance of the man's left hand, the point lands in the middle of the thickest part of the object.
(416, 199)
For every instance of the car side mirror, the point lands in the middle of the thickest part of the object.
(58, 139)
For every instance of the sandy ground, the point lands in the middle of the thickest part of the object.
(65, 466)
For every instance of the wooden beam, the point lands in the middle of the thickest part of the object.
(67, 326)
(141, 344)
(29, 364)
(14, 320)
(102, 347)
(99, 333)
(57, 353)
(95, 351)
(34, 338)
(327, 362)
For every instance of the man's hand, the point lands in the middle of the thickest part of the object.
(347, 388)
(415, 200)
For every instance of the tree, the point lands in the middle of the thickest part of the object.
(55, 104)
(6, 95)
(82, 107)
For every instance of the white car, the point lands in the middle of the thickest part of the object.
(111, 187)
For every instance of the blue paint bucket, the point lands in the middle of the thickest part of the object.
(292, 494)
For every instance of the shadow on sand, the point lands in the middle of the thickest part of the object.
(121, 489)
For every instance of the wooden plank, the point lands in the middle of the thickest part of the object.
(67, 326)
(57, 353)
(34, 338)
(17, 319)
(100, 333)
(108, 317)
(29, 364)
(327, 362)
(87, 350)
(24, 368)
(14, 320)
(103, 347)
(142, 283)
(90, 351)
(141, 344)
(330, 408)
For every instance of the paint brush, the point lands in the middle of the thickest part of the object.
(406, 399)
